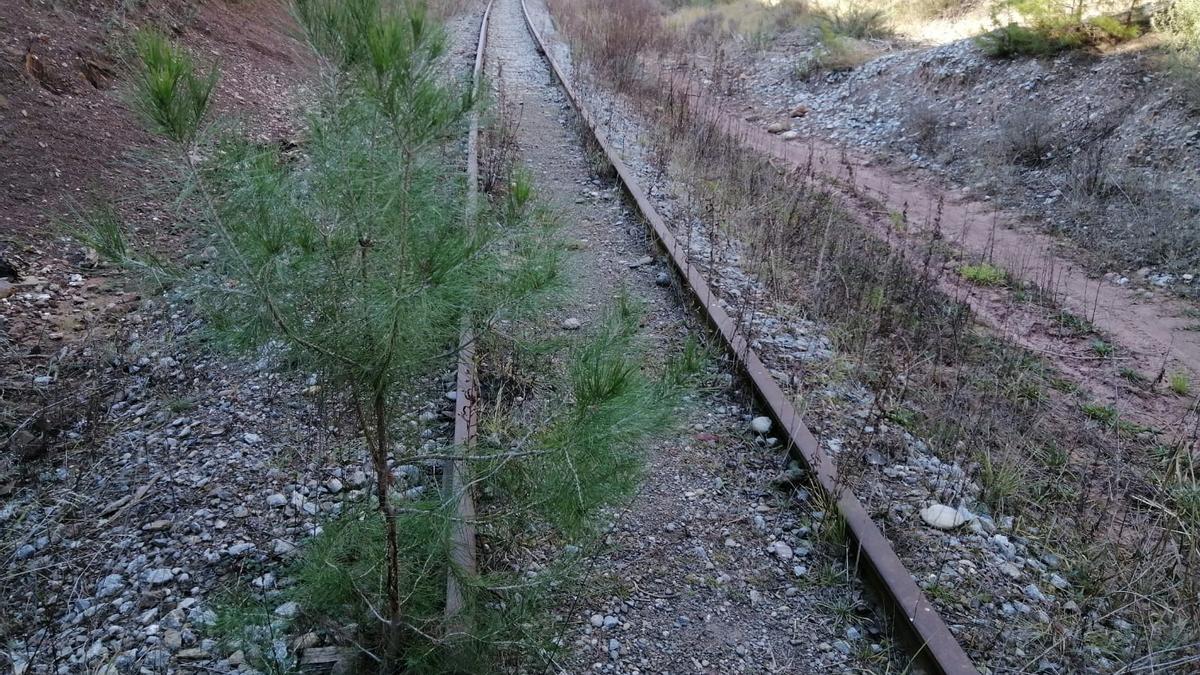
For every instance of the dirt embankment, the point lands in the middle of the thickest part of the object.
(69, 143)
(99, 393)
(1094, 230)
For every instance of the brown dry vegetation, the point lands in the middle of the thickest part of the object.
(1115, 500)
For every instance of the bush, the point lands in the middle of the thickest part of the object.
(1180, 22)
(1028, 137)
(856, 21)
(833, 53)
(1013, 40)
(1184, 69)
(612, 36)
(1049, 27)
(1114, 29)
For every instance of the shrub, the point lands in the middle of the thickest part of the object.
(925, 124)
(1012, 40)
(1184, 69)
(356, 256)
(1180, 22)
(1049, 27)
(1028, 137)
(833, 52)
(856, 21)
(612, 36)
(1114, 29)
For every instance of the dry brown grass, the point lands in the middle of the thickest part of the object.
(612, 35)
(1080, 481)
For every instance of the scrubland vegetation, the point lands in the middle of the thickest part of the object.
(359, 258)
(1111, 498)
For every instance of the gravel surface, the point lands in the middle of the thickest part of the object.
(211, 474)
(999, 592)
(714, 567)
(180, 474)
(949, 110)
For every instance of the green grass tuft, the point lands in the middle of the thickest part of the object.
(1180, 383)
(983, 274)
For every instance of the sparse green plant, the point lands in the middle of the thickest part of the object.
(1109, 417)
(827, 575)
(1115, 29)
(942, 593)
(244, 621)
(690, 363)
(181, 405)
(1100, 412)
(1102, 348)
(905, 417)
(833, 52)
(842, 608)
(1187, 504)
(1044, 27)
(1184, 68)
(983, 274)
(592, 454)
(1054, 456)
(1011, 40)
(1074, 323)
(358, 258)
(1132, 376)
(1180, 383)
(1001, 480)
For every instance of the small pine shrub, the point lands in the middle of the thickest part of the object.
(1048, 27)
(1012, 40)
(1114, 29)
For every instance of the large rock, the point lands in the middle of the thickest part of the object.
(160, 575)
(942, 517)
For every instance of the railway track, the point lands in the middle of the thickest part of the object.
(928, 637)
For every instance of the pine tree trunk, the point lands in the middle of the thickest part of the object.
(383, 473)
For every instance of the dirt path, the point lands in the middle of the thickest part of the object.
(1151, 331)
(688, 582)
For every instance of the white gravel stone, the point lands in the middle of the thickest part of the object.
(288, 610)
(160, 575)
(942, 517)
(781, 550)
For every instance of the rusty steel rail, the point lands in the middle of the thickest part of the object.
(910, 610)
(463, 543)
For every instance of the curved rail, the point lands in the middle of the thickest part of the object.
(878, 563)
(463, 546)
